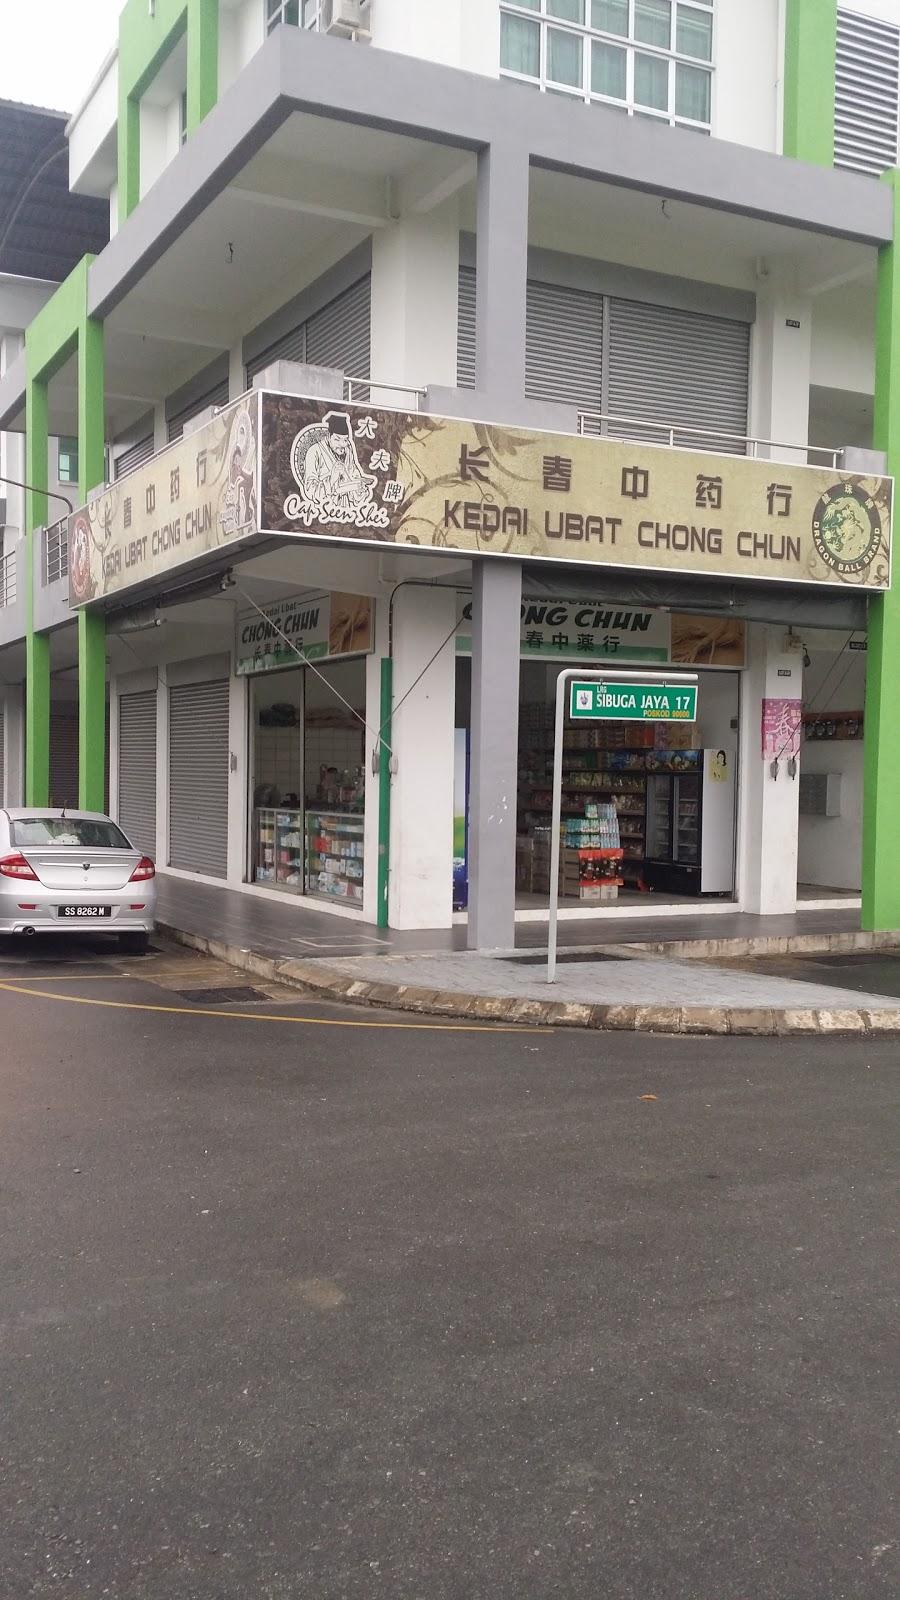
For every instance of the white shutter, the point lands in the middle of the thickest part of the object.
(134, 456)
(198, 777)
(216, 396)
(465, 329)
(677, 367)
(564, 346)
(137, 768)
(340, 335)
(867, 91)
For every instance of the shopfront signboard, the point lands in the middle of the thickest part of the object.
(316, 625)
(633, 701)
(194, 499)
(358, 473)
(593, 630)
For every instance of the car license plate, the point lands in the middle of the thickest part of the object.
(84, 911)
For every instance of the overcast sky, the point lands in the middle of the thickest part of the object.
(52, 48)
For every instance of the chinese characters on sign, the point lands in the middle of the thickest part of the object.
(445, 485)
(782, 722)
(195, 497)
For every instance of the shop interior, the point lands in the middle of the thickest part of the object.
(649, 809)
(308, 783)
(829, 859)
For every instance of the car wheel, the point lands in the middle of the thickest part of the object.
(134, 944)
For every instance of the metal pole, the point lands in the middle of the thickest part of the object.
(622, 675)
(555, 822)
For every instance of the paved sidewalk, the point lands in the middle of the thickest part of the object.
(660, 974)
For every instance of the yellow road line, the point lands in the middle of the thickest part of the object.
(256, 1016)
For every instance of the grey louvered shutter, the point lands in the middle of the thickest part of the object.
(64, 758)
(216, 396)
(198, 777)
(564, 346)
(290, 347)
(867, 91)
(465, 329)
(340, 335)
(137, 768)
(677, 368)
(134, 456)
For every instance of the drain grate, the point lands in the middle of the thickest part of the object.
(564, 956)
(235, 996)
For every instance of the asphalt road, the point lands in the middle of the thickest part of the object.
(298, 1311)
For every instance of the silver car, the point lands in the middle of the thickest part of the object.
(73, 872)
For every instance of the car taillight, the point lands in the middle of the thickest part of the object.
(15, 866)
(144, 869)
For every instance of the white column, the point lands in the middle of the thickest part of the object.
(14, 746)
(160, 428)
(237, 781)
(458, 33)
(237, 377)
(780, 367)
(415, 286)
(768, 815)
(373, 782)
(421, 862)
(162, 768)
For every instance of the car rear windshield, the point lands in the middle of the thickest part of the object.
(80, 832)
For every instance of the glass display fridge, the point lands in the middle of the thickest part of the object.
(690, 822)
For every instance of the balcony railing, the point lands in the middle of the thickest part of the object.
(358, 391)
(56, 553)
(674, 437)
(8, 578)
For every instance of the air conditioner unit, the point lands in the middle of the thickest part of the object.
(343, 17)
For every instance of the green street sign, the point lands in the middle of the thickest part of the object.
(633, 702)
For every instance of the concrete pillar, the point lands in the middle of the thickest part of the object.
(781, 364)
(769, 806)
(496, 611)
(160, 427)
(415, 288)
(420, 893)
(501, 262)
(237, 372)
(458, 33)
(373, 723)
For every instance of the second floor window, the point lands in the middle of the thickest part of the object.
(67, 464)
(297, 13)
(651, 58)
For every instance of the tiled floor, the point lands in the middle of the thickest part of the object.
(292, 929)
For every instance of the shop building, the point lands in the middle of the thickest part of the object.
(607, 335)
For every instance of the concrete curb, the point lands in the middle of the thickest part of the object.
(746, 1022)
(795, 944)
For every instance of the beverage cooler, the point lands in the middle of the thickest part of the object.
(690, 822)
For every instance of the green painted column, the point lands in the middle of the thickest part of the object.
(91, 623)
(810, 56)
(37, 645)
(881, 800)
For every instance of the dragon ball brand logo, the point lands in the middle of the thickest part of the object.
(847, 528)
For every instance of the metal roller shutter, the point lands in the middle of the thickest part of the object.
(2, 757)
(564, 346)
(198, 777)
(216, 396)
(867, 91)
(340, 335)
(677, 367)
(465, 329)
(134, 456)
(290, 347)
(137, 768)
(64, 758)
